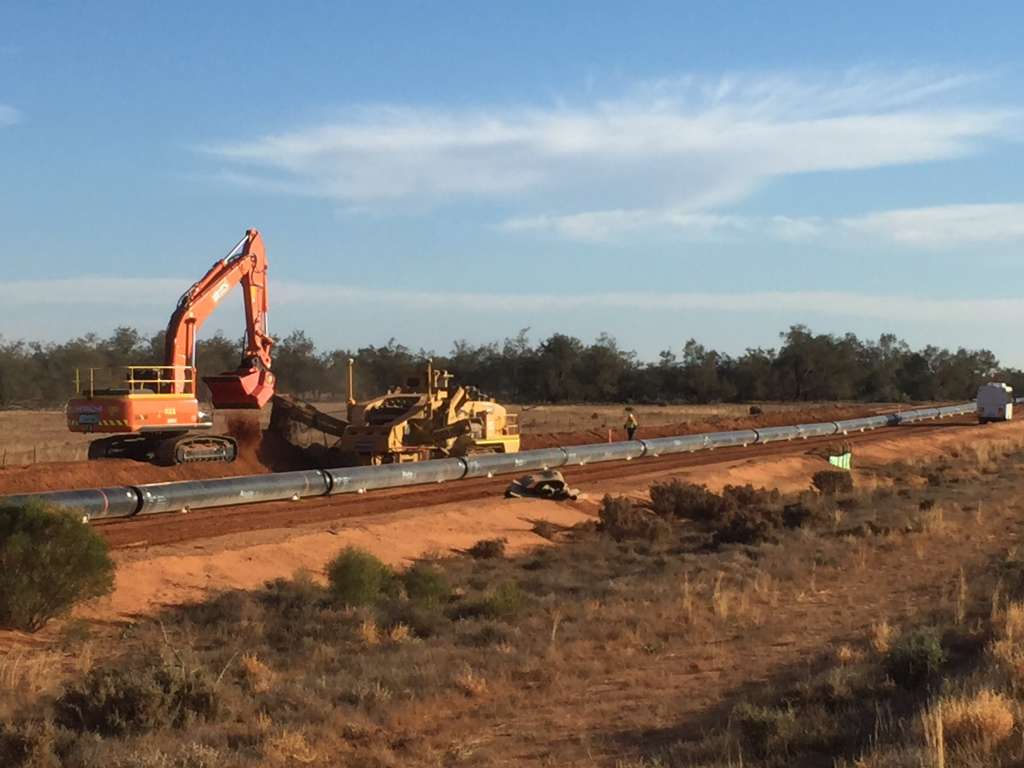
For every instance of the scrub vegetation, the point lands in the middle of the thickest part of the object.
(49, 560)
(879, 625)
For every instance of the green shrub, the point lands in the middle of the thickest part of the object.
(832, 481)
(488, 549)
(503, 603)
(809, 509)
(749, 525)
(738, 496)
(49, 561)
(766, 730)
(915, 658)
(294, 599)
(29, 744)
(678, 499)
(781, 733)
(621, 519)
(356, 577)
(427, 584)
(423, 620)
(116, 702)
(484, 634)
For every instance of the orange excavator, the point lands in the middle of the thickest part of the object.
(153, 410)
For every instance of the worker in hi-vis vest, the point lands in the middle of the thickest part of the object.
(631, 425)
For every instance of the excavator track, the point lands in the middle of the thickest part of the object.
(192, 449)
(136, 447)
(166, 450)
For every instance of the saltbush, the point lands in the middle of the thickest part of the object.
(487, 549)
(49, 561)
(748, 525)
(833, 481)
(503, 603)
(621, 519)
(117, 702)
(355, 577)
(29, 744)
(747, 496)
(915, 658)
(678, 499)
(426, 584)
(808, 509)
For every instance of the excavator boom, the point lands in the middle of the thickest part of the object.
(251, 385)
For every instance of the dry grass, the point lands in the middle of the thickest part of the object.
(470, 682)
(577, 652)
(981, 720)
(880, 637)
(574, 418)
(368, 632)
(846, 655)
(289, 747)
(259, 678)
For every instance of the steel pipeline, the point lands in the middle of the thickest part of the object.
(153, 498)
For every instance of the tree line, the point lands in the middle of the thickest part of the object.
(560, 368)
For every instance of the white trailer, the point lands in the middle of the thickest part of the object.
(995, 402)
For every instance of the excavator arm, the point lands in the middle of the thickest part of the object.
(251, 385)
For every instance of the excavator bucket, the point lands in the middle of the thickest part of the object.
(250, 388)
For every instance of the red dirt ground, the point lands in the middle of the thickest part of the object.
(167, 559)
(710, 424)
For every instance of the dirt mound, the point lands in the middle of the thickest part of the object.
(259, 452)
(61, 475)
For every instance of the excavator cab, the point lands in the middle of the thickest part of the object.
(245, 388)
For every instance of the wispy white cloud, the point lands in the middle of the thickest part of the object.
(934, 227)
(9, 115)
(689, 144)
(139, 292)
(945, 225)
(608, 226)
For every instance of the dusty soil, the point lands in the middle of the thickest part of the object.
(266, 452)
(654, 700)
(34, 436)
(258, 453)
(152, 576)
(209, 523)
(652, 688)
(538, 419)
(658, 422)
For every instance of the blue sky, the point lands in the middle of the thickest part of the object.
(658, 171)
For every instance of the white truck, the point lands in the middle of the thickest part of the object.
(995, 402)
